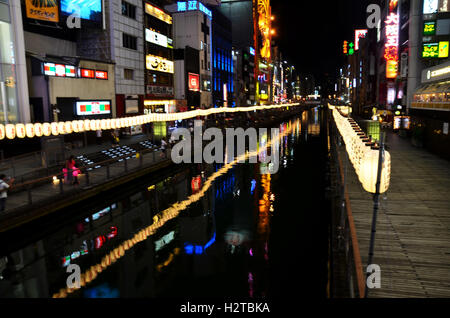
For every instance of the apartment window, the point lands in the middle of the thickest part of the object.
(129, 41)
(128, 10)
(128, 74)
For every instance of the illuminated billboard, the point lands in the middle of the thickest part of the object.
(158, 38)
(158, 13)
(160, 64)
(264, 26)
(429, 28)
(87, 73)
(46, 10)
(443, 49)
(89, 9)
(430, 50)
(89, 108)
(103, 75)
(194, 82)
(359, 34)
(430, 6)
(60, 70)
(391, 45)
(193, 6)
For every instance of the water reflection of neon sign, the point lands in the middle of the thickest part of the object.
(199, 249)
(166, 239)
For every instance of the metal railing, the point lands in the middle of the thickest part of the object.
(91, 175)
(347, 241)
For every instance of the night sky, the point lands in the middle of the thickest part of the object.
(310, 33)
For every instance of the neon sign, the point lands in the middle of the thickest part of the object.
(391, 45)
(429, 28)
(345, 47)
(183, 6)
(430, 50)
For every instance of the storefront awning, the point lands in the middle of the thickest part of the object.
(435, 88)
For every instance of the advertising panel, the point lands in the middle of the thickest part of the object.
(194, 82)
(160, 64)
(430, 50)
(88, 108)
(89, 9)
(42, 10)
(156, 38)
(359, 34)
(430, 6)
(87, 73)
(158, 13)
(443, 49)
(103, 75)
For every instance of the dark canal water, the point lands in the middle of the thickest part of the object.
(250, 235)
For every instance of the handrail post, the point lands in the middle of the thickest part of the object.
(125, 164)
(61, 186)
(30, 201)
(87, 177)
(141, 160)
(107, 170)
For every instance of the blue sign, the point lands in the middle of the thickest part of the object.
(88, 9)
(193, 6)
(252, 51)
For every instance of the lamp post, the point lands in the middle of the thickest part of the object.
(376, 205)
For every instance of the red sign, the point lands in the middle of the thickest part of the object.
(391, 45)
(194, 82)
(101, 75)
(86, 73)
(196, 184)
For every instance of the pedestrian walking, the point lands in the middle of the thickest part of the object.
(114, 139)
(163, 147)
(99, 136)
(5, 184)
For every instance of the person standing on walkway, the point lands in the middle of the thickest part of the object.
(72, 170)
(5, 184)
(99, 136)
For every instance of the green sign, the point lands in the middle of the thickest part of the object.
(429, 28)
(430, 50)
(351, 51)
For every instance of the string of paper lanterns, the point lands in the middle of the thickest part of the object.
(362, 153)
(12, 131)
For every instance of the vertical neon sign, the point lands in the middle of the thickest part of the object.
(391, 45)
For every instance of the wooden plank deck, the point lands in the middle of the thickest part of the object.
(412, 244)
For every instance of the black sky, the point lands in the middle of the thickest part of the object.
(310, 33)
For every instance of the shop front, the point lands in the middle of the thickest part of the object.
(160, 130)
(430, 110)
(66, 89)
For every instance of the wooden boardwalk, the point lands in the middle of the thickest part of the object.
(412, 244)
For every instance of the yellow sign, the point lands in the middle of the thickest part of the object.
(46, 10)
(160, 64)
(443, 49)
(391, 69)
(158, 13)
